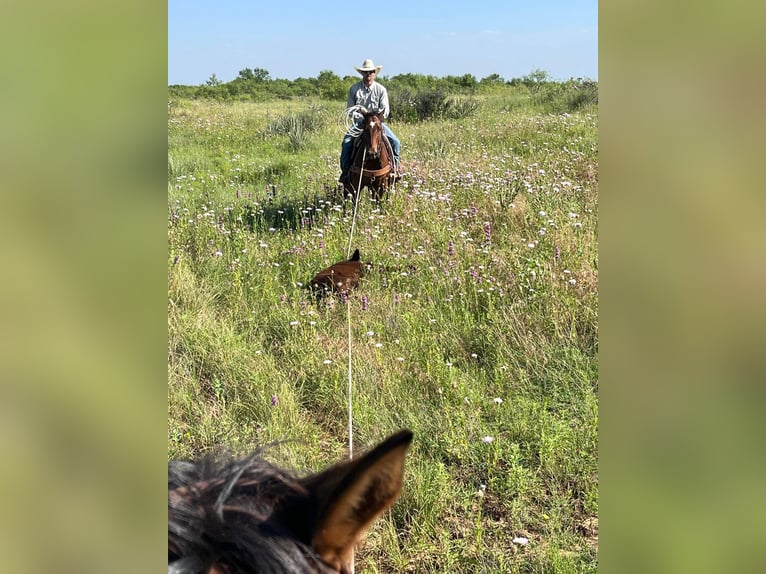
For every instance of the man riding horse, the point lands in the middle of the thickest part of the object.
(369, 96)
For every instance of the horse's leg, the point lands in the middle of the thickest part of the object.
(379, 189)
(350, 189)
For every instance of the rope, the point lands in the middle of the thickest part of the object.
(356, 201)
(350, 406)
(347, 124)
(348, 321)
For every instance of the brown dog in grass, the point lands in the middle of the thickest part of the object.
(340, 277)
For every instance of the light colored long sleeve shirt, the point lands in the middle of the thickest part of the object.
(374, 98)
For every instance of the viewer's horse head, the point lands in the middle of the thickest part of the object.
(371, 163)
(245, 516)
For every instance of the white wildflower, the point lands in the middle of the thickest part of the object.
(521, 540)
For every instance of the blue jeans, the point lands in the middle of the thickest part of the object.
(347, 149)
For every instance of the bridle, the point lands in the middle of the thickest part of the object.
(373, 123)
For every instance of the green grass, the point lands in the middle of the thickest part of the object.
(463, 338)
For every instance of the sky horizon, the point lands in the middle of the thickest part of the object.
(297, 38)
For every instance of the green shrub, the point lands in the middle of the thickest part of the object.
(298, 126)
(569, 96)
(430, 104)
(461, 108)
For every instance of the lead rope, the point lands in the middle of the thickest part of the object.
(348, 317)
(356, 201)
(350, 408)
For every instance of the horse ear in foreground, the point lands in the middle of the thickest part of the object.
(339, 277)
(245, 516)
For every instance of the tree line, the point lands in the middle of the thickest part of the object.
(256, 84)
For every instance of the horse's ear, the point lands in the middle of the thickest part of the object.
(355, 256)
(353, 494)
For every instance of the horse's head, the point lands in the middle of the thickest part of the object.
(373, 133)
(245, 516)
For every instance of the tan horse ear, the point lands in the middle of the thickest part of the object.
(353, 494)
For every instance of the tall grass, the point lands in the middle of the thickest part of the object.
(479, 331)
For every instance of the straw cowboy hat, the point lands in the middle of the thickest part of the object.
(368, 66)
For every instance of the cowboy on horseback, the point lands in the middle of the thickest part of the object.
(365, 96)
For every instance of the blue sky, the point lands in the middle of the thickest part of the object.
(301, 38)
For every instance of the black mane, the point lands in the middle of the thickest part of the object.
(246, 516)
(223, 512)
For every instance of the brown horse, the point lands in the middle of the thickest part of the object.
(246, 516)
(372, 159)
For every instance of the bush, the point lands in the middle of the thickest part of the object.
(569, 96)
(461, 108)
(430, 104)
(297, 127)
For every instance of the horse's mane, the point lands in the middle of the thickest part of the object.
(244, 515)
(222, 512)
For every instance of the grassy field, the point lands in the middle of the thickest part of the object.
(476, 326)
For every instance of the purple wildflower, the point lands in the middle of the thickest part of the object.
(283, 297)
(556, 252)
(274, 400)
(487, 232)
(451, 248)
(344, 296)
(364, 302)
